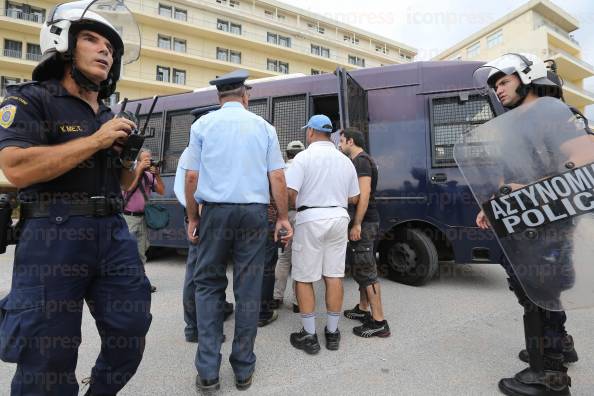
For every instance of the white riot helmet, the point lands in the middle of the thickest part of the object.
(529, 68)
(109, 18)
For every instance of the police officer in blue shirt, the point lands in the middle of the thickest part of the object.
(189, 290)
(238, 159)
(56, 141)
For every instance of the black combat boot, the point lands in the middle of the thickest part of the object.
(569, 353)
(552, 381)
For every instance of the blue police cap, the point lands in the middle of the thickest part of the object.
(230, 81)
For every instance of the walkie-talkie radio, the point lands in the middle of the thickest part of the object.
(136, 138)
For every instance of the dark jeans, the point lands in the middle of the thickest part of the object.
(269, 278)
(240, 229)
(59, 263)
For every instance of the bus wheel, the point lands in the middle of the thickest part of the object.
(410, 258)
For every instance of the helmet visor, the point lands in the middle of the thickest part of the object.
(112, 13)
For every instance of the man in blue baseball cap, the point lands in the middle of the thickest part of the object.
(319, 123)
(321, 181)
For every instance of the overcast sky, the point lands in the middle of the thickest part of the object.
(432, 26)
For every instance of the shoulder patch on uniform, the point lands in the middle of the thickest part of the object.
(7, 114)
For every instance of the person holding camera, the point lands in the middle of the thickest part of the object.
(56, 147)
(147, 178)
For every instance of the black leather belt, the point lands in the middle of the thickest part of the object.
(302, 208)
(231, 204)
(134, 214)
(94, 206)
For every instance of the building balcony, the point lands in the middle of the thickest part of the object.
(560, 39)
(18, 14)
(19, 25)
(209, 29)
(577, 96)
(570, 67)
(196, 57)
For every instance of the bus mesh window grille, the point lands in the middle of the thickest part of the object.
(452, 118)
(152, 141)
(289, 115)
(176, 139)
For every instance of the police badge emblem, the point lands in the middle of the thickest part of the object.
(7, 114)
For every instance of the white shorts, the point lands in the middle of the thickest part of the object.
(319, 248)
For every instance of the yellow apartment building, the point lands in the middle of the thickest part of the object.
(186, 43)
(539, 27)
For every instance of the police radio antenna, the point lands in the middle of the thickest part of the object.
(124, 103)
(148, 116)
(137, 112)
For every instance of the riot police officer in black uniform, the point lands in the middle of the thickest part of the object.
(519, 79)
(56, 140)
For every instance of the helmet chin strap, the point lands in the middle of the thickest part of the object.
(83, 81)
(522, 92)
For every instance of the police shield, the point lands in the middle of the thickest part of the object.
(532, 172)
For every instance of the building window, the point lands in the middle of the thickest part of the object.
(164, 42)
(163, 73)
(315, 27)
(224, 2)
(473, 50)
(6, 81)
(315, 72)
(179, 76)
(181, 15)
(357, 61)
(274, 38)
(25, 12)
(223, 25)
(235, 56)
(235, 28)
(226, 26)
(233, 3)
(269, 14)
(281, 17)
(321, 51)
(382, 49)
(13, 49)
(352, 40)
(284, 41)
(223, 54)
(495, 39)
(33, 52)
(165, 10)
(179, 45)
(277, 66)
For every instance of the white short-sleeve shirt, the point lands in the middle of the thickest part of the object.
(322, 176)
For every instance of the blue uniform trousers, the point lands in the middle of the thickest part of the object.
(59, 262)
(237, 232)
(189, 293)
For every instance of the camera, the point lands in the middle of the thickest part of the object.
(156, 164)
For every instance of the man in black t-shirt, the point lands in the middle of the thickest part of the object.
(363, 231)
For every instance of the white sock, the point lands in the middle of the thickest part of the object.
(309, 322)
(332, 324)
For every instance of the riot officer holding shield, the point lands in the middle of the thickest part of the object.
(530, 170)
